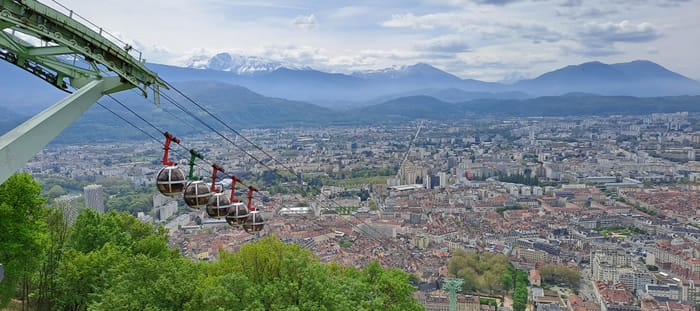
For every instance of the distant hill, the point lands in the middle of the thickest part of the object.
(409, 108)
(582, 105)
(574, 104)
(336, 90)
(9, 119)
(245, 108)
(24, 93)
(241, 108)
(453, 95)
(238, 106)
(637, 78)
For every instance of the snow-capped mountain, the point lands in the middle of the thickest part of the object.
(421, 70)
(236, 63)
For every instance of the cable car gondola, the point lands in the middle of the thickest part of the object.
(219, 203)
(170, 180)
(196, 193)
(237, 212)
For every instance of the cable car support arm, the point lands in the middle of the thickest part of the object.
(42, 41)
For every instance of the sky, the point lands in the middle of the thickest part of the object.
(490, 40)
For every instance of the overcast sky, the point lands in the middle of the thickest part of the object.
(482, 39)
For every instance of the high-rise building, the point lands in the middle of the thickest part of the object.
(443, 179)
(412, 174)
(68, 204)
(94, 198)
(163, 207)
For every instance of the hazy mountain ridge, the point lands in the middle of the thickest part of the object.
(635, 78)
(241, 108)
(227, 94)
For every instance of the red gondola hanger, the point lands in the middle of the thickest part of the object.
(251, 189)
(234, 180)
(214, 169)
(255, 222)
(237, 213)
(170, 180)
(218, 204)
(166, 147)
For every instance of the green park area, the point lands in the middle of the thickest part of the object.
(620, 231)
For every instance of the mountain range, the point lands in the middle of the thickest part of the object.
(637, 78)
(254, 93)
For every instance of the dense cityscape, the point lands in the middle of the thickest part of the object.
(614, 199)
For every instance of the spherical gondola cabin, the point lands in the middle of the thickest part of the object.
(237, 214)
(197, 194)
(218, 205)
(254, 222)
(170, 181)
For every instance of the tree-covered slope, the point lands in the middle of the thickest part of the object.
(114, 262)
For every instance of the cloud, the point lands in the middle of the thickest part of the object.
(445, 44)
(587, 13)
(495, 2)
(571, 3)
(623, 31)
(305, 22)
(671, 3)
(590, 50)
(537, 33)
(448, 20)
(409, 20)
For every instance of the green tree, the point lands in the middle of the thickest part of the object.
(24, 234)
(144, 282)
(480, 272)
(520, 295)
(554, 275)
(58, 232)
(270, 275)
(55, 192)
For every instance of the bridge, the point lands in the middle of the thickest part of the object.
(72, 54)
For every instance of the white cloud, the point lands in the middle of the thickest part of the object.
(407, 21)
(305, 22)
(445, 44)
(624, 31)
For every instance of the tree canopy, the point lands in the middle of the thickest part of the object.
(555, 275)
(113, 261)
(481, 272)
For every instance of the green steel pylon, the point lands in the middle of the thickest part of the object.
(453, 285)
(53, 46)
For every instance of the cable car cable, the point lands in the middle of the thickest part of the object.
(172, 101)
(230, 176)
